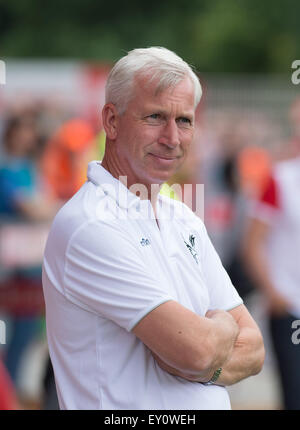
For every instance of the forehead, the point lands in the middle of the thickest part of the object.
(148, 93)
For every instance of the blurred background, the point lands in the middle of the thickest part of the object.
(57, 57)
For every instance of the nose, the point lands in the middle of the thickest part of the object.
(170, 135)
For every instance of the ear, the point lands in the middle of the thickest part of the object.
(110, 120)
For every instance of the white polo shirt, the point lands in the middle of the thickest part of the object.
(279, 207)
(107, 264)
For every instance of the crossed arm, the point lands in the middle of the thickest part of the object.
(193, 347)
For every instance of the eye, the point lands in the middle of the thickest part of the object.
(154, 116)
(184, 121)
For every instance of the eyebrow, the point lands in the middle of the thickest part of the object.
(154, 109)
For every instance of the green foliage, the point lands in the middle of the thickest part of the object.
(216, 35)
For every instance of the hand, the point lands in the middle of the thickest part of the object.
(226, 319)
(277, 304)
(228, 331)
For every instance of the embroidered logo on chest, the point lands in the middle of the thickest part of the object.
(145, 242)
(192, 247)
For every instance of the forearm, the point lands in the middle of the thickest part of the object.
(186, 341)
(255, 257)
(244, 359)
(258, 268)
(201, 376)
(257, 263)
(223, 335)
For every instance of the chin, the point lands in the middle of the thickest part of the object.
(157, 176)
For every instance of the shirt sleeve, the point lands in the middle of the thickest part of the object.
(106, 274)
(222, 293)
(269, 195)
(267, 206)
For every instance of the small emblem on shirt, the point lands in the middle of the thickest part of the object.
(191, 247)
(145, 242)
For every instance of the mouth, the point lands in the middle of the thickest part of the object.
(164, 157)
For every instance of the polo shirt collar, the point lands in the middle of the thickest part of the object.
(111, 186)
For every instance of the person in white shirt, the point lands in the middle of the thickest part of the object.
(272, 253)
(140, 312)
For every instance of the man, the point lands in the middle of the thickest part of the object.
(272, 252)
(140, 312)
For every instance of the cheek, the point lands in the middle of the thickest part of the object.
(145, 138)
(151, 133)
(186, 140)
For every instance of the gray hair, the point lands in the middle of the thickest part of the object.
(158, 63)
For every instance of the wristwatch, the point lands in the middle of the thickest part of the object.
(214, 377)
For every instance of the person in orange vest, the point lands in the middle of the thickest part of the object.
(64, 157)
